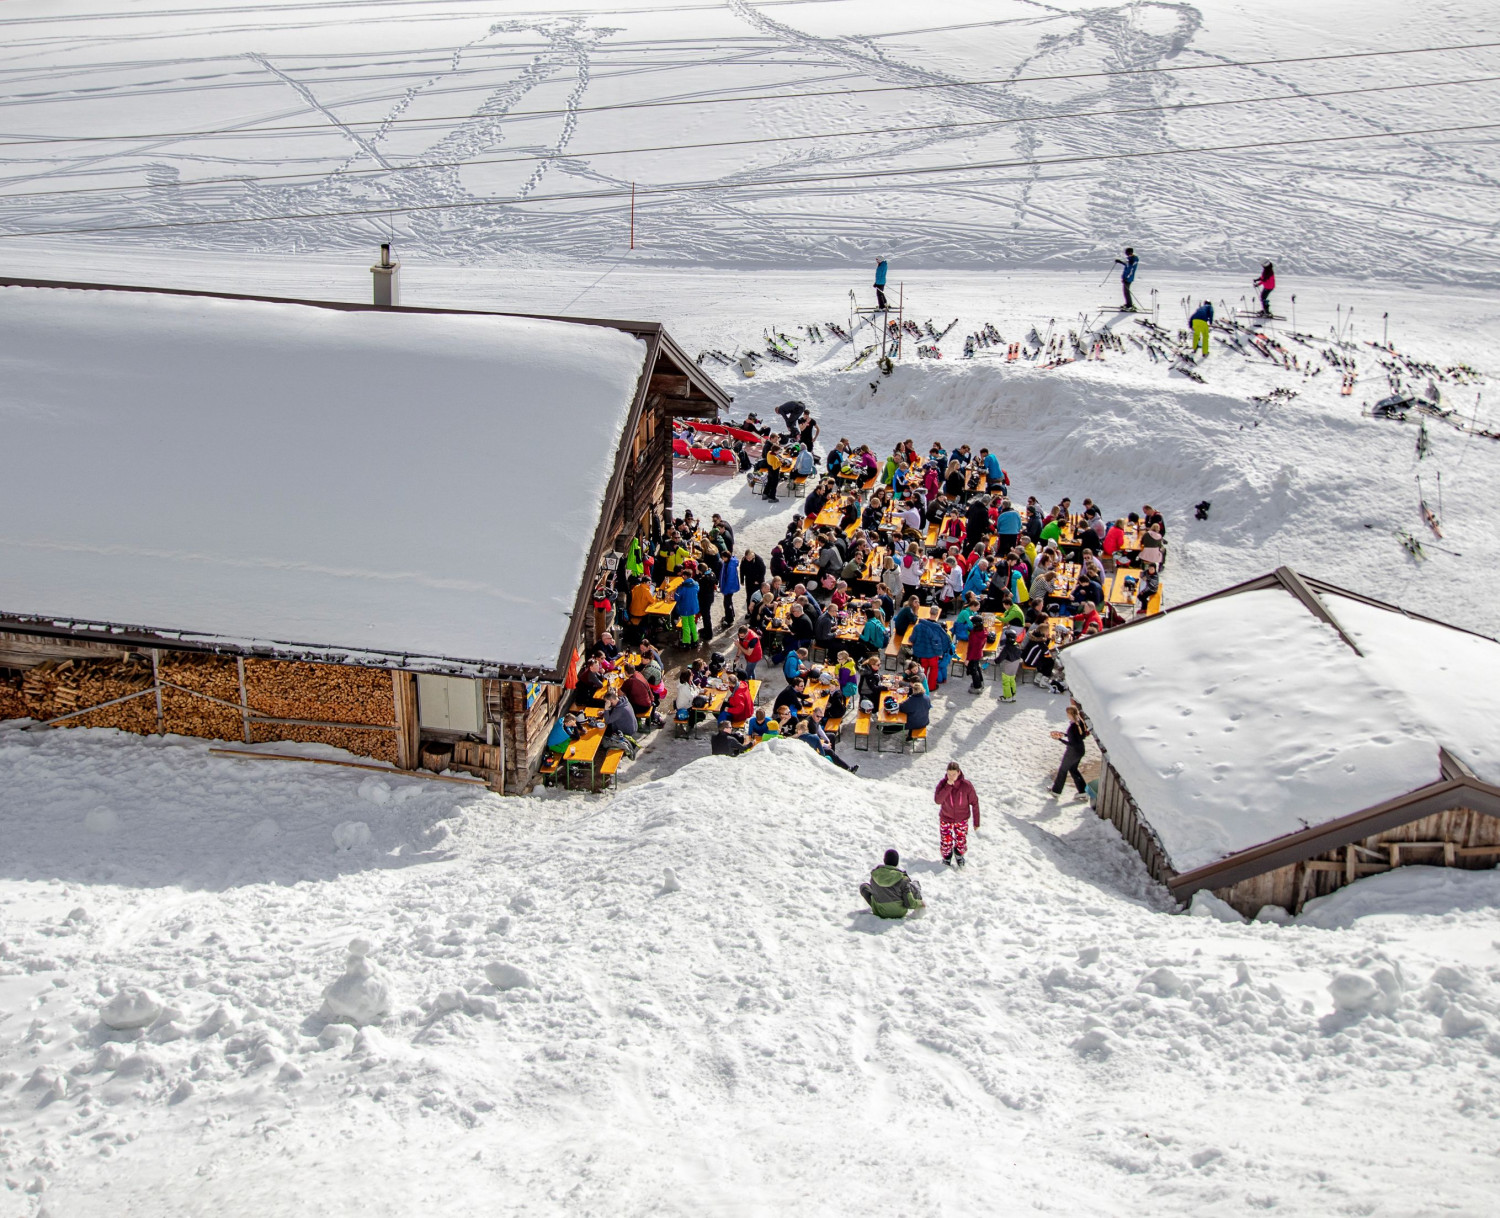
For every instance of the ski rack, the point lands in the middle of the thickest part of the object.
(890, 343)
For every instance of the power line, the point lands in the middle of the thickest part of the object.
(703, 187)
(247, 179)
(709, 101)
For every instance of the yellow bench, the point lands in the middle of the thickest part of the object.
(608, 766)
(551, 764)
(919, 737)
(862, 732)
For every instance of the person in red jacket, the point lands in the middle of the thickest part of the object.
(739, 706)
(957, 803)
(747, 643)
(974, 647)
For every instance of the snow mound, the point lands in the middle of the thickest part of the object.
(508, 976)
(362, 995)
(133, 1007)
(351, 834)
(1404, 892)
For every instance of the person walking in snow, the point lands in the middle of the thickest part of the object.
(890, 892)
(880, 269)
(1128, 266)
(1073, 750)
(957, 805)
(1267, 284)
(1201, 320)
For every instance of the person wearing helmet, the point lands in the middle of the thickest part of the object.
(890, 892)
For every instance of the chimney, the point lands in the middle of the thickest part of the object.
(387, 275)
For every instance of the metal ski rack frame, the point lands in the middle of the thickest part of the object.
(890, 344)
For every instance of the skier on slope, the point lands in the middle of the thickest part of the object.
(1127, 266)
(1201, 320)
(1267, 284)
(880, 269)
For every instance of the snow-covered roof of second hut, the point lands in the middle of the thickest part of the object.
(1243, 718)
(359, 481)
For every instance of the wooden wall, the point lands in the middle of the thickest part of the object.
(526, 731)
(1114, 803)
(1460, 837)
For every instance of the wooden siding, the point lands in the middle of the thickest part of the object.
(1114, 803)
(526, 731)
(1459, 837)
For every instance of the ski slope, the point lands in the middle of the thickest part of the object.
(751, 130)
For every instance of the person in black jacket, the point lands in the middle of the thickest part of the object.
(726, 742)
(1073, 749)
(752, 571)
(976, 520)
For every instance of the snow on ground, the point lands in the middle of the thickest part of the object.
(1045, 1037)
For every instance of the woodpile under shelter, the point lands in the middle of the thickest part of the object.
(1282, 738)
(377, 528)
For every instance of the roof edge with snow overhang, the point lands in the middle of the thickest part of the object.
(1424, 801)
(691, 392)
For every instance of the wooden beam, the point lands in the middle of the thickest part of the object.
(408, 730)
(671, 386)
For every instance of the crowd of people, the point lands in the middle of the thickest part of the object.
(894, 571)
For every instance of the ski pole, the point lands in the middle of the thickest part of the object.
(1107, 275)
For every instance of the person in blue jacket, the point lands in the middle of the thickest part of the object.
(1007, 528)
(880, 285)
(1127, 276)
(930, 646)
(686, 598)
(729, 584)
(993, 470)
(1202, 319)
(979, 578)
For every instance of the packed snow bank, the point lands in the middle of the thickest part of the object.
(1035, 1034)
(368, 481)
(1405, 892)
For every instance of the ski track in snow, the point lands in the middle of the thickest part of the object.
(1416, 208)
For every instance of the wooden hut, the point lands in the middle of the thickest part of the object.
(258, 519)
(1284, 737)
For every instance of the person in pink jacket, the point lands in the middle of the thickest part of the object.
(957, 804)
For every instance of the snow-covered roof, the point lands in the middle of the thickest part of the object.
(1242, 718)
(402, 483)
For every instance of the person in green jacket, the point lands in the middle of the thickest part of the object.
(891, 893)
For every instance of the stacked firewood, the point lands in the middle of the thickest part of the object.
(332, 693)
(329, 693)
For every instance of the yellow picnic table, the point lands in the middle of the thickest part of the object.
(1117, 594)
(582, 754)
(667, 605)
